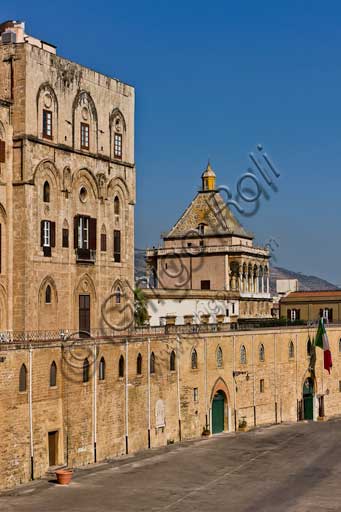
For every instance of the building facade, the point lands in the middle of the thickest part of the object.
(208, 249)
(310, 306)
(84, 401)
(67, 189)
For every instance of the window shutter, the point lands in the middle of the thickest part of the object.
(41, 233)
(75, 231)
(298, 314)
(330, 316)
(2, 152)
(103, 242)
(289, 314)
(321, 313)
(53, 234)
(93, 233)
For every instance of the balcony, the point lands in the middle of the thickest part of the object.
(86, 256)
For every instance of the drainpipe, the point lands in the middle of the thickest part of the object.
(234, 385)
(275, 378)
(31, 413)
(206, 405)
(148, 374)
(95, 402)
(126, 400)
(178, 382)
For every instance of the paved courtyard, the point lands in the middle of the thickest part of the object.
(282, 468)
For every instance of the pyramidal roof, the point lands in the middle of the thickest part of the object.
(208, 208)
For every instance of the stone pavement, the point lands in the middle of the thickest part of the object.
(291, 468)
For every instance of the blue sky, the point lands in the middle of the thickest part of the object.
(213, 79)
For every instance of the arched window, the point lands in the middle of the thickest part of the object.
(340, 345)
(172, 361)
(121, 367)
(116, 206)
(53, 375)
(86, 370)
(261, 352)
(243, 354)
(46, 192)
(201, 229)
(309, 347)
(48, 294)
(219, 357)
(291, 350)
(139, 365)
(101, 372)
(194, 359)
(118, 295)
(23, 378)
(152, 362)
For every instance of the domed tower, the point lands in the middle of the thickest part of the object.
(208, 179)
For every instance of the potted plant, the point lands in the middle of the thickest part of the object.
(206, 432)
(64, 476)
(242, 425)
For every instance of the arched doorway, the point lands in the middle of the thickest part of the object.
(218, 412)
(308, 399)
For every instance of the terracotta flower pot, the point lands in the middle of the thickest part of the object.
(64, 476)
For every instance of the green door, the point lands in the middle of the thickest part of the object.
(218, 406)
(308, 399)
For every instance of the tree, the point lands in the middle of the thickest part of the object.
(140, 307)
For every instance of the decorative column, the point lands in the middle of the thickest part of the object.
(267, 283)
(262, 281)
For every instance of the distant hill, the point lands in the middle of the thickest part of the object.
(306, 283)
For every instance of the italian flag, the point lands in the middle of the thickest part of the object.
(321, 341)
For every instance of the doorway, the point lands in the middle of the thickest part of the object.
(218, 413)
(84, 315)
(308, 399)
(53, 447)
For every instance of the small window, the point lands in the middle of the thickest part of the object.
(194, 359)
(339, 386)
(2, 152)
(53, 375)
(261, 353)
(201, 229)
(23, 378)
(118, 295)
(340, 345)
(101, 372)
(103, 242)
(47, 124)
(117, 246)
(116, 206)
(48, 294)
(84, 136)
(118, 145)
(172, 361)
(219, 357)
(309, 347)
(291, 350)
(261, 385)
(195, 394)
(139, 365)
(152, 362)
(243, 354)
(205, 285)
(65, 237)
(46, 192)
(86, 370)
(121, 367)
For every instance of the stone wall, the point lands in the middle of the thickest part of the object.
(131, 411)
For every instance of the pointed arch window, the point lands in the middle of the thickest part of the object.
(261, 353)
(194, 359)
(101, 369)
(86, 370)
(121, 367)
(118, 294)
(117, 206)
(53, 375)
(23, 378)
(340, 345)
(291, 350)
(46, 192)
(118, 145)
(139, 365)
(219, 357)
(172, 361)
(48, 294)
(309, 347)
(243, 354)
(152, 362)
